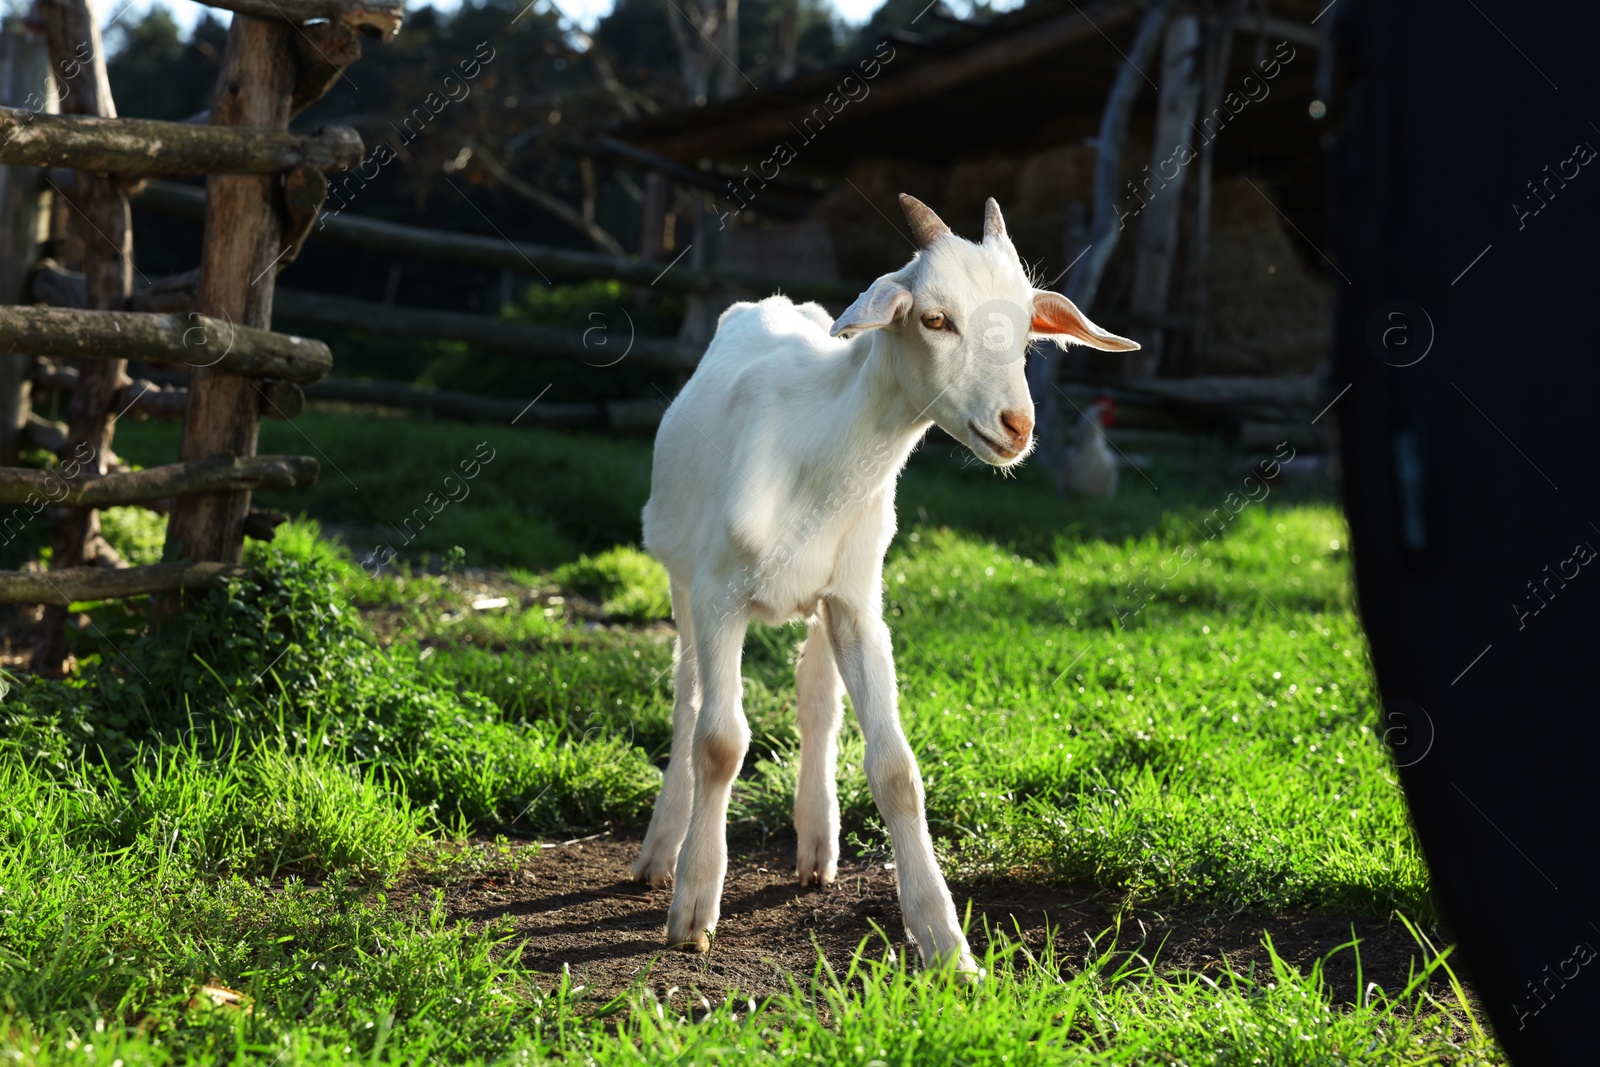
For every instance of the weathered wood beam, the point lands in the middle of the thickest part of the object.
(505, 335)
(443, 246)
(244, 238)
(1155, 239)
(24, 74)
(140, 400)
(138, 146)
(371, 18)
(69, 585)
(219, 474)
(322, 52)
(55, 286)
(901, 87)
(615, 416)
(262, 524)
(40, 432)
(1104, 227)
(195, 340)
(103, 221)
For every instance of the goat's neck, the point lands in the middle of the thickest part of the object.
(883, 422)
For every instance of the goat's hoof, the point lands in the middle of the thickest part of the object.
(691, 924)
(701, 943)
(822, 879)
(817, 861)
(654, 872)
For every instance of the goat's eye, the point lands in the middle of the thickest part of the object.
(934, 320)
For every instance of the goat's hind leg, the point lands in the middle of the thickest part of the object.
(721, 738)
(819, 711)
(658, 858)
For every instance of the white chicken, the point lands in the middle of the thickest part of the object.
(1089, 468)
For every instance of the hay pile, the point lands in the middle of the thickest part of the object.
(1267, 312)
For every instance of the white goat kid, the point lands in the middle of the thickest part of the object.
(772, 497)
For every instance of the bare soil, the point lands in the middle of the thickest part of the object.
(576, 907)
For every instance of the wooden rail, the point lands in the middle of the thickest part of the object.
(505, 335)
(614, 416)
(265, 188)
(164, 399)
(70, 585)
(192, 339)
(219, 474)
(114, 146)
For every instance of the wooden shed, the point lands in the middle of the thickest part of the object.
(1226, 104)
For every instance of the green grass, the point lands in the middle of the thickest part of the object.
(230, 801)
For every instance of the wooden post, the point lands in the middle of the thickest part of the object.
(105, 225)
(243, 241)
(1218, 49)
(1104, 227)
(1155, 247)
(25, 83)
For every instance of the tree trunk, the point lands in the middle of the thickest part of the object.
(105, 225)
(24, 82)
(1156, 242)
(237, 278)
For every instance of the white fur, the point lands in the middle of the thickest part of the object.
(772, 498)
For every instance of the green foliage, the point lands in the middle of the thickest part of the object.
(1098, 693)
(627, 583)
(137, 534)
(282, 656)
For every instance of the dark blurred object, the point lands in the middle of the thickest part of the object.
(1466, 214)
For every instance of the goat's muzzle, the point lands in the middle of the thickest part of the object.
(1019, 424)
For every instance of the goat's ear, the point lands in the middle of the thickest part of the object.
(884, 301)
(1055, 318)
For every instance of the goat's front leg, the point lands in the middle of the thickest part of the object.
(658, 857)
(866, 662)
(721, 737)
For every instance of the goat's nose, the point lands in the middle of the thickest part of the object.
(1018, 423)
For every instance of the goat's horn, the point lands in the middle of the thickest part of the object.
(993, 224)
(926, 227)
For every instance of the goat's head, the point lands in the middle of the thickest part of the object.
(957, 321)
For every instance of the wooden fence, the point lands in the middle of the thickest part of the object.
(265, 187)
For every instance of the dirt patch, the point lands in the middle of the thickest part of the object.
(576, 907)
